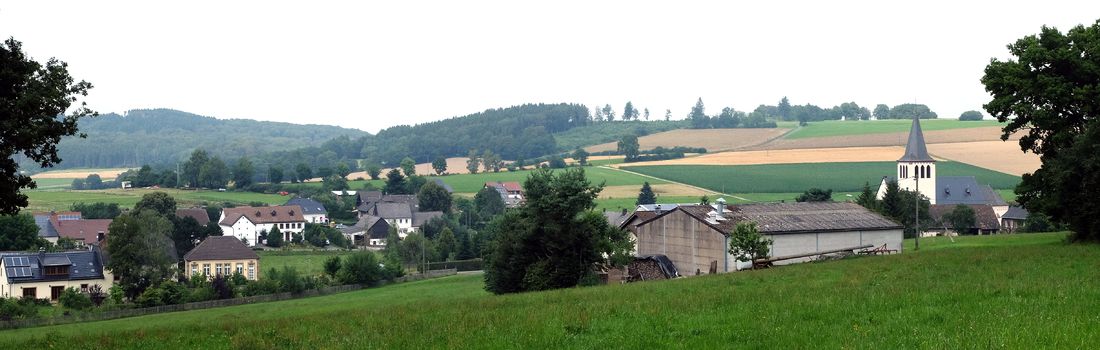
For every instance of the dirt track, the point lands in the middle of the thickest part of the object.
(711, 139)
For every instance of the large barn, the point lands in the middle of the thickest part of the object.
(696, 236)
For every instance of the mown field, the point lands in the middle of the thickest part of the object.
(471, 183)
(791, 178)
(307, 262)
(1011, 291)
(843, 128)
(61, 200)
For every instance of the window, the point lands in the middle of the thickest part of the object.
(194, 269)
(57, 270)
(84, 288)
(206, 269)
(240, 268)
(30, 292)
(55, 292)
(252, 271)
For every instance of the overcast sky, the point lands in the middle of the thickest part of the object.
(371, 66)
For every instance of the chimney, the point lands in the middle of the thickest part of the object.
(42, 260)
(657, 209)
(719, 208)
(624, 211)
(99, 236)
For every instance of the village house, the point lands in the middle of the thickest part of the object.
(45, 275)
(916, 171)
(222, 256)
(199, 214)
(1013, 220)
(696, 237)
(510, 192)
(399, 211)
(312, 211)
(248, 223)
(370, 231)
(54, 225)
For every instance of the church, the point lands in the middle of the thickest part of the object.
(916, 171)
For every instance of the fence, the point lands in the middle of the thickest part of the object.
(114, 314)
(459, 265)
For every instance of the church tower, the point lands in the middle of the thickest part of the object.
(917, 166)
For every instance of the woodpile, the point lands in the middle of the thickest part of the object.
(644, 270)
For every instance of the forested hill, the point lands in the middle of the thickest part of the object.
(165, 136)
(516, 132)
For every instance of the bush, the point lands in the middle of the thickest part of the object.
(73, 299)
(150, 297)
(221, 287)
(289, 280)
(360, 268)
(332, 266)
(11, 308)
(174, 293)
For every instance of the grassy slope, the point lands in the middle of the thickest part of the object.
(1015, 291)
(61, 200)
(778, 178)
(842, 128)
(306, 262)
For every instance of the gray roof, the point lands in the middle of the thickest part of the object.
(309, 206)
(615, 218)
(915, 149)
(965, 190)
(653, 207)
(784, 218)
(84, 265)
(220, 248)
(1015, 213)
(45, 229)
(389, 210)
(419, 218)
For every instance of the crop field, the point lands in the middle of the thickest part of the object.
(106, 173)
(844, 128)
(1009, 291)
(305, 261)
(711, 139)
(61, 200)
(988, 133)
(791, 178)
(788, 156)
(1003, 156)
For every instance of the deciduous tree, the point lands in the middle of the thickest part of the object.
(19, 232)
(34, 98)
(408, 166)
(746, 243)
(815, 195)
(140, 251)
(440, 165)
(581, 156)
(962, 219)
(242, 173)
(628, 147)
(434, 197)
(970, 116)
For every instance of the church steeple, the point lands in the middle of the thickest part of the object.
(915, 149)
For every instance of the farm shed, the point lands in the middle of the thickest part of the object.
(695, 236)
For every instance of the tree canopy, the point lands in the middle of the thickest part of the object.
(19, 232)
(34, 98)
(1049, 95)
(815, 195)
(646, 195)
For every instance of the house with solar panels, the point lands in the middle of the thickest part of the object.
(45, 275)
(916, 171)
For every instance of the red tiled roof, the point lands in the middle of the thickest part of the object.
(83, 230)
(512, 186)
(263, 215)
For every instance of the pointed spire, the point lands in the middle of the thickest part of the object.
(915, 149)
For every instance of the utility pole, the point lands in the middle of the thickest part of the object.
(916, 211)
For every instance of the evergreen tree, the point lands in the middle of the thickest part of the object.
(698, 117)
(646, 195)
(395, 182)
(275, 238)
(867, 198)
(784, 109)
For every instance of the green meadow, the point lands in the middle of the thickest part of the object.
(61, 200)
(863, 127)
(1010, 291)
(308, 262)
(795, 178)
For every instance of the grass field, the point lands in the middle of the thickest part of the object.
(1010, 291)
(61, 200)
(53, 184)
(795, 178)
(842, 128)
(306, 262)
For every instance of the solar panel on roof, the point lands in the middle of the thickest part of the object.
(16, 261)
(18, 272)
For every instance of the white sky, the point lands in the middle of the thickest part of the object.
(373, 65)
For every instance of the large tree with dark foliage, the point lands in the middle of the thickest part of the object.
(243, 173)
(1050, 94)
(628, 147)
(555, 240)
(815, 195)
(698, 116)
(33, 100)
(18, 232)
(140, 250)
(646, 195)
(434, 197)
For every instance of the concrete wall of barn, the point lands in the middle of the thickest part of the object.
(690, 244)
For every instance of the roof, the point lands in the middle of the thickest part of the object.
(390, 210)
(309, 206)
(1015, 213)
(965, 190)
(344, 193)
(654, 207)
(199, 214)
(786, 218)
(419, 218)
(507, 186)
(45, 229)
(263, 215)
(220, 248)
(915, 149)
(983, 214)
(83, 230)
(368, 205)
(24, 267)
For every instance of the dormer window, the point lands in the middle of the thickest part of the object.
(57, 270)
(273, 213)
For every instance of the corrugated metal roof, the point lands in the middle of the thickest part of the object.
(781, 218)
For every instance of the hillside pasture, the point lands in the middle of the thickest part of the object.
(795, 178)
(1008, 291)
(711, 139)
(48, 184)
(62, 200)
(865, 127)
